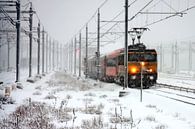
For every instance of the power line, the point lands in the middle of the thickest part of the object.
(91, 17)
(121, 12)
(162, 19)
(7, 16)
(117, 22)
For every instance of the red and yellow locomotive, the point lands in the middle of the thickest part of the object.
(139, 58)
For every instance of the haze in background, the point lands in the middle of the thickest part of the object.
(64, 18)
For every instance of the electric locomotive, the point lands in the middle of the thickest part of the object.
(140, 61)
(142, 65)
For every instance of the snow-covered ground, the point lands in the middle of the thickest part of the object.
(88, 104)
(181, 80)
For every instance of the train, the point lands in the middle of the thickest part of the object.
(140, 61)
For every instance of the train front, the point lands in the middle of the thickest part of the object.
(142, 64)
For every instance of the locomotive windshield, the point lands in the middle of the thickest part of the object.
(149, 57)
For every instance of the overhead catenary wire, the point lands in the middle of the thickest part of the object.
(93, 16)
(13, 22)
(120, 13)
(116, 23)
(128, 20)
(7, 16)
(189, 8)
(176, 14)
(169, 5)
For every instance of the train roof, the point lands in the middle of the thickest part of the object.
(139, 47)
(94, 57)
(115, 53)
(145, 50)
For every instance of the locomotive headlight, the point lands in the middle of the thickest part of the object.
(142, 63)
(151, 77)
(133, 77)
(150, 70)
(133, 70)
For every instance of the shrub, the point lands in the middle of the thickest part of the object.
(50, 96)
(37, 93)
(161, 126)
(95, 123)
(150, 118)
(31, 117)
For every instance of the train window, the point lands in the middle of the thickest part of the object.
(111, 62)
(121, 60)
(149, 57)
(142, 57)
(133, 57)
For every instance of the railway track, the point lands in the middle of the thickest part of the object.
(180, 97)
(179, 88)
(179, 77)
(173, 96)
(179, 100)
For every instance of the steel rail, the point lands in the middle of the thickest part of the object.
(172, 98)
(179, 88)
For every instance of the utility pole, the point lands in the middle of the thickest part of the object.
(8, 53)
(141, 89)
(61, 59)
(46, 53)
(86, 57)
(53, 55)
(190, 56)
(18, 42)
(68, 53)
(126, 46)
(38, 40)
(72, 56)
(0, 52)
(80, 54)
(161, 58)
(43, 51)
(30, 39)
(172, 57)
(50, 51)
(67, 58)
(176, 58)
(57, 48)
(75, 55)
(98, 45)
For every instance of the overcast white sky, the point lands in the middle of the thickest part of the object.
(64, 18)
